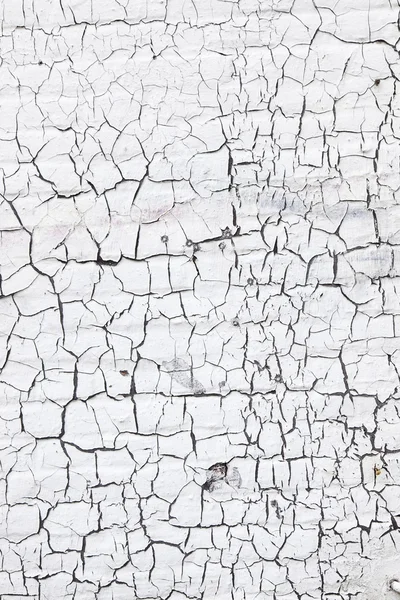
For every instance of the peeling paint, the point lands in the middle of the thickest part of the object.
(199, 299)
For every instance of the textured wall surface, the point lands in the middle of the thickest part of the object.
(200, 308)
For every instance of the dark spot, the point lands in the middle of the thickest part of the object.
(124, 373)
(216, 473)
(278, 378)
(196, 247)
(164, 239)
(250, 281)
(235, 323)
(40, 62)
(219, 468)
(377, 81)
(275, 505)
(226, 233)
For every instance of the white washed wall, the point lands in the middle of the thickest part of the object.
(200, 250)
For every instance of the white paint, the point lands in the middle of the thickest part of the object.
(199, 265)
(395, 586)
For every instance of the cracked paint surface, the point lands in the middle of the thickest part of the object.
(200, 309)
